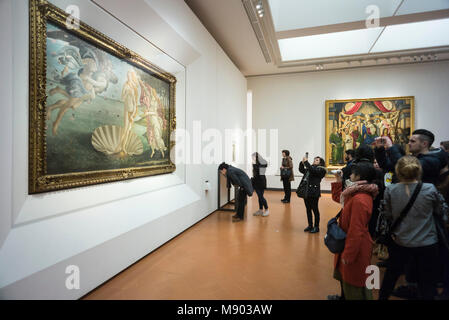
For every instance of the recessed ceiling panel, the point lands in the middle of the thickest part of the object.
(416, 35)
(328, 45)
(415, 6)
(298, 14)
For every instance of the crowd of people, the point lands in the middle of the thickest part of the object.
(379, 183)
(410, 191)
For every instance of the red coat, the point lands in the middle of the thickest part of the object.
(354, 221)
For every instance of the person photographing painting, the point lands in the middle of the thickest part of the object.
(309, 189)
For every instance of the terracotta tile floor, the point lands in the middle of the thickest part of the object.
(258, 258)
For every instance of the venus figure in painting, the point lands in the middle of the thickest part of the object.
(130, 97)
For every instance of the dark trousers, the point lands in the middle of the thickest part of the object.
(262, 201)
(312, 205)
(426, 259)
(444, 262)
(287, 188)
(240, 203)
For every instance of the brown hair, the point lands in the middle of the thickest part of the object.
(445, 145)
(408, 168)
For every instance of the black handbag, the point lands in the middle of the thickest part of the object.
(385, 226)
(335, 237)
(441, 217)
(303, 188)
(285, 173)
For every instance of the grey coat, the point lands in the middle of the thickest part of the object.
(417, 229)
(239, 178)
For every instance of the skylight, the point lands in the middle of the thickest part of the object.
(298, 14)
(329, 44)
(415, 35)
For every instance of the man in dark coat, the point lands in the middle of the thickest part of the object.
(240, 180)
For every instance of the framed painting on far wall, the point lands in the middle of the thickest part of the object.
(351, 123)
(98, 111)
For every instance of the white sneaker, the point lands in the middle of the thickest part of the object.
(266, 213)
(258, 213)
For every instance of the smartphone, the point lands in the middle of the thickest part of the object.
(307, 155)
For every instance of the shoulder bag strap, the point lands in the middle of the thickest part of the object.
(407, 207)
(339, 214)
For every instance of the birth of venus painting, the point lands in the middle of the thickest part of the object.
(98, 111)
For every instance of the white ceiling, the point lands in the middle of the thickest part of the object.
(305, 35)
(336, 44)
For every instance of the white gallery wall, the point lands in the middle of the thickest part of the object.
(295, 103)
(102, 229)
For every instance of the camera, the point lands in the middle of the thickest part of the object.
(336, 171)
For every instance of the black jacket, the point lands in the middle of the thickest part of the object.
(239, 178)
(316, 174)
(387, 160)
(259, 180)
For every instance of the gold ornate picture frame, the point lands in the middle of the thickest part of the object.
(98, 112)
(350, 123)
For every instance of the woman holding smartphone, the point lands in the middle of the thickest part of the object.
(313, 174)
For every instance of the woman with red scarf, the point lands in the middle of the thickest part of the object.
(357, 201)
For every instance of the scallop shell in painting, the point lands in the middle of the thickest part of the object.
(106, 139)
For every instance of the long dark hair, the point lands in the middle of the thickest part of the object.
(322, 162)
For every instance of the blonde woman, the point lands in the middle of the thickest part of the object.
(415, 238)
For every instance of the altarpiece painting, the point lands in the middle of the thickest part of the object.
(351, 123)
